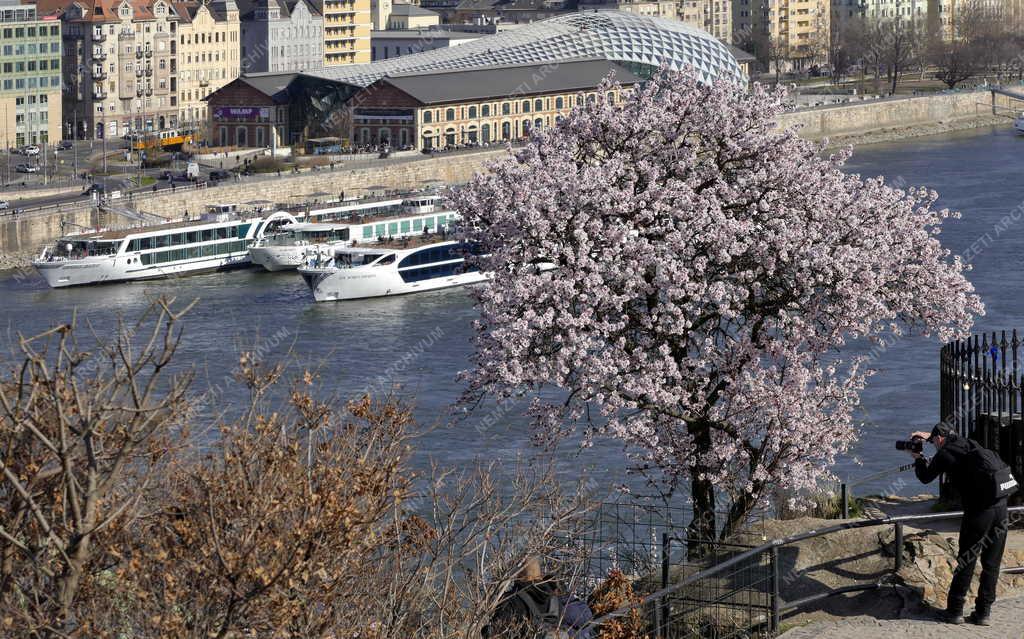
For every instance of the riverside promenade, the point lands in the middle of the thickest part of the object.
(1007, 623)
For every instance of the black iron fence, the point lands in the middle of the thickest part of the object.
(742, 595)
(981, 394)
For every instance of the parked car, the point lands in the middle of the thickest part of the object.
(167, 175)
(14, 150)
(4, 205)
(31, 150)
(64, 145)
(220, 174)
(94, 188)
(27, 168)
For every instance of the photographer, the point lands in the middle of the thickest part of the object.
(983, 481)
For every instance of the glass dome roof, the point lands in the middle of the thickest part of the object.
(639, 42)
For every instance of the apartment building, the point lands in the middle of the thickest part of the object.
(347, 25)
(846, 11)
(281, 35)
(717, 16)
(650, 8)
(30, 104)
(209, 52)
(797, 30)
(119, 63)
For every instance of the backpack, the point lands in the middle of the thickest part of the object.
(991, 477)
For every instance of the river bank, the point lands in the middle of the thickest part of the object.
(895, 134)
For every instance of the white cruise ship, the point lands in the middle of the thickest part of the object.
(358, 221)
(219, 240)
(392, 267)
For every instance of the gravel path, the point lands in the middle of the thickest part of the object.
(1007, 623)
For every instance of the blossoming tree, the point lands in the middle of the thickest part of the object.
(708, 267)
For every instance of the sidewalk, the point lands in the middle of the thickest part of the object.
(1007, 623)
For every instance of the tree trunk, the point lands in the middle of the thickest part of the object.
(895, 79)
(700, 534)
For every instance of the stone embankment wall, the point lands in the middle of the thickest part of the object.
(20, 236)
(920, 113)
(414, 174)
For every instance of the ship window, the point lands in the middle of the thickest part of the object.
(428, 222)
(392, 228)
(405, 226)
(133, 245)
(380, 230)
(368, 232)
(207, 235)
(194, 237)
(389, 259)
(417, 225)
(222, 233)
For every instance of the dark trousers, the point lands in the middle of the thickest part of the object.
(982, 535)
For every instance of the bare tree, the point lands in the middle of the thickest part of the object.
(83, 434)
(954, 60)
(894, 45)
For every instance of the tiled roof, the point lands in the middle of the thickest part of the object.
(618, 36)
(504, 81)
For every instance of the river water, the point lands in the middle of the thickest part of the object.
(415, 346)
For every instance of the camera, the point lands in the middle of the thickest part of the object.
(915, 445)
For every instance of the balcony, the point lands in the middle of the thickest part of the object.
(98, 75)
(98, 93)
(149, 71)
(204, 82)
(99, 36)
(149, 53)
(99, 55)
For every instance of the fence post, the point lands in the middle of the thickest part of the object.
(898, 562)
(773, 624)
(666, 548)
(844, 495)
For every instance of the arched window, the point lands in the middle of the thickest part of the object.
(449, 115)
(428, 116)
(485, 110)
(538, 105)
(472, 112)
(526, 127)
(506, 130)
(559, 103)
(449, 137)
(384, 136)
(538, 123)
(526, 106)
(241, 136)
(610, 97)
(506, 108)
(485, 133)
(364, 135)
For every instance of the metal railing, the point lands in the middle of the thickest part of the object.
(705, 603)
(981, 394)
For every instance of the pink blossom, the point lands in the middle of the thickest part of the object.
(708, 267)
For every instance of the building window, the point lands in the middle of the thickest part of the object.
(428, 116)
(506, 130)
(472, 112)
(241, 137)
(259, 136)
(506, 109)
(485, 133)
(485, 110)
(223, 135)
(449, 115)
(559, 103)
(526, 106)
(538, 105)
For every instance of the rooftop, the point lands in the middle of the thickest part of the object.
(419, 34)
(503, 81)
(618, 36)
(404, 9)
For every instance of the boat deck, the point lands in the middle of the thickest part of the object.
(402, 243)
(120, 234)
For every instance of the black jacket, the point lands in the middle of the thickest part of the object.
(954, 460)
